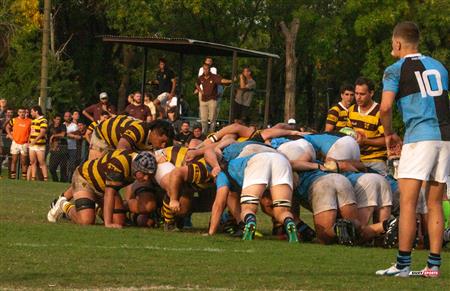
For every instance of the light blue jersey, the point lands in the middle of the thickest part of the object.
(421, 87)
(236, 169)
(233, 150)
(322, 142)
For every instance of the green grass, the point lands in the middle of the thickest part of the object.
(40, 255)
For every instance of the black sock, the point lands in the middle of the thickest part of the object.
(434, 260)
(250, 218)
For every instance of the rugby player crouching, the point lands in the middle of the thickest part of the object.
(98, 182)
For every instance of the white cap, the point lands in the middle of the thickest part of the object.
(103, 95)
(292, 121)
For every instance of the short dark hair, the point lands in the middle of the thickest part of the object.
(186, 121)
(38, 109)
(57, 116)
(365, 81)
(162, 127)
(408, 31)
(104, 113)
(163, 60)
(197, 126)
(346, 87)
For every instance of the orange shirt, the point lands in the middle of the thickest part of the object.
(20, 129)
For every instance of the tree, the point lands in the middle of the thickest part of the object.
(290, 36)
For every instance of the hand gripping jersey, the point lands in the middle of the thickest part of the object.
(421, 87)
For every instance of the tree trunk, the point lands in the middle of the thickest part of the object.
(290, 36)
(44, 57)
(128, 55)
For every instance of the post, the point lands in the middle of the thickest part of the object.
(44, 56)
(180, 83)
(144, 75)
(233, 76)
(268, 89)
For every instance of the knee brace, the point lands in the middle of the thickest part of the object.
(248, 199)
(84, 203)
(281, 203)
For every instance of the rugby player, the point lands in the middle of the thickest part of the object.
(253, 173)
(419, 85)
(98, 182)
(338, 114)
(364, 117)
(123, 132)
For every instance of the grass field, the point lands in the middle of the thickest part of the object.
(40, 255)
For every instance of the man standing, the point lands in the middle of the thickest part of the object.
(419, 85)
(72, 138)
(58, 149)
(37, 141)
(94, 111)
(244, 95)
(18, 130)
(364, 117)
(138, 110)
(167, 83)
(338, 114)
(207, 88)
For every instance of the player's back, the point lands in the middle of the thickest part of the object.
(421, 87)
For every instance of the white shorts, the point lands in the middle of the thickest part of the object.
(372, 190)
(255, 149)
(162, 170)
(344, 149)
(37, 148)
(19, 148)
(163, 98)
(270, 169)
(425, 160)
(296, 148)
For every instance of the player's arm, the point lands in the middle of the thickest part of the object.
(235, 128)
(277, 132)
(108, 207)
(332, 119)
(375, 141)
(177, 177)
(220, 202)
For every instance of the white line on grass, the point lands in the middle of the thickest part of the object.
(128, 247)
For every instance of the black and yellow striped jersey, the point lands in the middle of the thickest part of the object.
(36, 125)
(370, 124)
(92, 126)
(113, 170)
(134, 131)
(337, 116)
(198, 174)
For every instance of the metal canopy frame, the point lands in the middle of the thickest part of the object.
(197, 47)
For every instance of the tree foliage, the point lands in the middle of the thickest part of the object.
(338, 41)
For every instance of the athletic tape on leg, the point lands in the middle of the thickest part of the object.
(248, 199)
(281, 203)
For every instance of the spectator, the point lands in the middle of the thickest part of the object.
(3, 104)
(58, 149)
(137, 109)
(207, 88)
(5, 144)
(82, 145)
(94, 111)
(18, 130)
(185, 133)
(167, 83)
(244, 95)
(213, 70)
(149, 103)
(3, 107)
(72, 137)
(197, 136)
(338, 114)
(38, 140)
